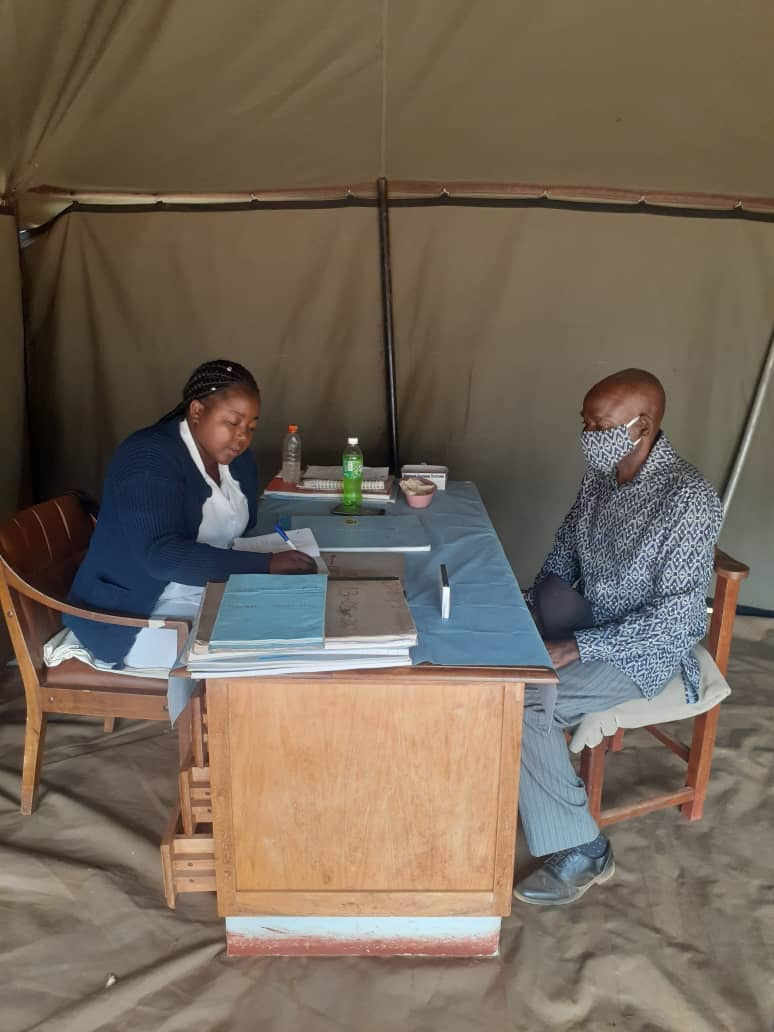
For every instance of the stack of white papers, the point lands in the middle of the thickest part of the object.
(367, 624)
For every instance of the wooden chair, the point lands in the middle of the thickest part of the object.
(698, 756)
(40, 550)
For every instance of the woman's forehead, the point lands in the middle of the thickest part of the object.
(237, 399)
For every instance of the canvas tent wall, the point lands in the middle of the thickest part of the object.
(504, 314)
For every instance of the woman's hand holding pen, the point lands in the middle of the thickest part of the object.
(292, 562)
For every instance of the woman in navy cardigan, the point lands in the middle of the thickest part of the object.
(176, 495)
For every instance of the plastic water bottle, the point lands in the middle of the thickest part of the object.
(291, 455)
(352, 466)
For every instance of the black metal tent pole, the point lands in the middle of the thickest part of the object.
(387, 324)
(30, 492)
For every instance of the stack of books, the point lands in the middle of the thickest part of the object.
(261, 625)
(326, 482)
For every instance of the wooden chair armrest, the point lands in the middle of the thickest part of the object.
(728, 568)
(182, 627)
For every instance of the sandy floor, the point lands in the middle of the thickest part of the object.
(681, 939)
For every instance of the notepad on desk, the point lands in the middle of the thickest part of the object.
(366, 534)
(303, 539)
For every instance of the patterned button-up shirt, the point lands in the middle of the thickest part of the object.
(642, 554)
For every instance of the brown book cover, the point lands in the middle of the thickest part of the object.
(368, 612)
(365, 565)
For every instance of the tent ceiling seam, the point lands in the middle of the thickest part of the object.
(415, 193)
(420, 190)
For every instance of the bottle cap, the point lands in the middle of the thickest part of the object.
(352, 440)
(292, 428)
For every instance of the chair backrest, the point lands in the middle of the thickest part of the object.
(44, 546)
(729, 575)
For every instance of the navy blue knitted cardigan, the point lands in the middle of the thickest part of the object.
(145, 535)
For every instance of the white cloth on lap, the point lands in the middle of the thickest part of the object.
(668, 705)
(64, 645)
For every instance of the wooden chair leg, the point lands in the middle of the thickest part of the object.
(700, 762)
(197, 731)
(167, 864)
(34, 739)
(184, 737)
(186, 809)
(616, 742)
(108, 724)
(592, 772)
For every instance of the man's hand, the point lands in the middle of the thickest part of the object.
(563, 653)
(292, 562)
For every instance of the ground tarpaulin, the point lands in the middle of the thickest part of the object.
(681, 939)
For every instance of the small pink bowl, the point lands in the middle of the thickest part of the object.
(420, 501)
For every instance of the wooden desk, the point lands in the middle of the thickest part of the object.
(370, 811)
(388, 794)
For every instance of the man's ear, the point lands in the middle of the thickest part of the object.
(644, 426)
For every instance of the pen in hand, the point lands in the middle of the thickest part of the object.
(284, 536)
(292, 561)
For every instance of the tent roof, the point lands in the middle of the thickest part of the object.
(191, 96)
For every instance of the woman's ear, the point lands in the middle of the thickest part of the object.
(195, 410)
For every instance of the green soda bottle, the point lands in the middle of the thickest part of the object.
(352, 465)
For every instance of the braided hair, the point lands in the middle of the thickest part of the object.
(211, 377)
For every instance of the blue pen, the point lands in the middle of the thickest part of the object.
(284, 536)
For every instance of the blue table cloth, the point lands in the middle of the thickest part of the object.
(490, 624)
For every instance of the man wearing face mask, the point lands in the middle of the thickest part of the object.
(638, 546)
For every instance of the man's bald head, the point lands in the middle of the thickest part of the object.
(623, 396)
(634, 398)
